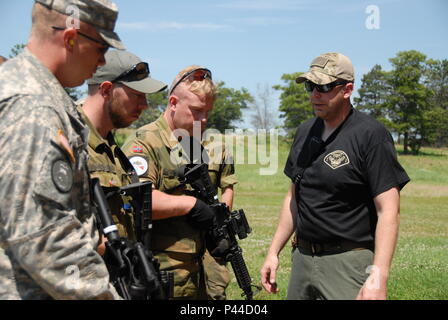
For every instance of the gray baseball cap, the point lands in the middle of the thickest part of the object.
(120, 61)
(100, 14)
(327, 68)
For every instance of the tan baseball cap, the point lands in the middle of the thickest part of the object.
(120, 61)
(327, 68)
(100, 14)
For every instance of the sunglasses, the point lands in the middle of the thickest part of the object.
(324, 88)
(194, 75)
(104, 44)
(137, 72)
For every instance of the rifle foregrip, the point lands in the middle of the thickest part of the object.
(242, 274)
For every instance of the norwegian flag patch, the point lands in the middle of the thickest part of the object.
(137, 149)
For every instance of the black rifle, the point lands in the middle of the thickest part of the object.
(221, 238)
(132, 267)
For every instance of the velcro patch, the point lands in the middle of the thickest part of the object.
(137, 149)
(319, 62)
(336, 159)
(62, 175)
(140, 164)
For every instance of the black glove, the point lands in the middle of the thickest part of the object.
(201, 216)
(217, 248)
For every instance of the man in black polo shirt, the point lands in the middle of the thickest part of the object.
(344, 200)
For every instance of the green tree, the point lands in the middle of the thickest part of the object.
(437, 83)
(408, 102)
(227, 108)
(373, 94)
(411, 100)
(157, 103)
(16, 50)
(294, 103)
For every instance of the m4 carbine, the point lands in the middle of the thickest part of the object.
(132, 267)
(221, 239)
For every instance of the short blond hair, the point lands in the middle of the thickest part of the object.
(204, 88)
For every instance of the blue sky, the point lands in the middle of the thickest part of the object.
(251, 42)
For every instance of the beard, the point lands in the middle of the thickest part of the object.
(119, 122)
(118, 115)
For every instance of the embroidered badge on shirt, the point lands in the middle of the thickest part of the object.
(140, 164)
(62, 175)
(336, 159)
(137, 149)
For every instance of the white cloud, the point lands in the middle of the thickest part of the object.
(178, 25)
(133, 25)
(266, 5)
(167, 25)
(262, 21)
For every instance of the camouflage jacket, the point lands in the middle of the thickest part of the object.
(151, 150)
(109, 164)
(47, 232)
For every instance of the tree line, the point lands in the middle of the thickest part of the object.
(411, 100)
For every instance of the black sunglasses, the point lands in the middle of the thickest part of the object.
(194, 75)
(103, 43)
(322, 88)
(137, 72)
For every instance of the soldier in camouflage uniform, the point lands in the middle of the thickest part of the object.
(48, 235)
(153, 150)
(116, 99)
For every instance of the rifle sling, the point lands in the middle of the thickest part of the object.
(314, 146)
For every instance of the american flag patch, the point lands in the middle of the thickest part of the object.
(137, 149)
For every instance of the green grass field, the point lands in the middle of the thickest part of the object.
(420, 265)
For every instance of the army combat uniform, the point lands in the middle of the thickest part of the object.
(110, 165)
(178, 246)
(48, 236)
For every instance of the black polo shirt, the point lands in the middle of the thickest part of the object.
(354, 165)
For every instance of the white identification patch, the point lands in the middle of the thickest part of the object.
(336, 159)
(140, 164)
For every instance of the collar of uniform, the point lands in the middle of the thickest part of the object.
(96, 141)
(50, 82)
(166, 133)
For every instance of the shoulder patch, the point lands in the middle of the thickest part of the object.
(62, 175)
(137, 149)
(336, 159)
(140, 164)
